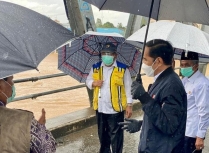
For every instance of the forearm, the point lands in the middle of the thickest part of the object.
(203, 125)
(41, 139)
(201, 101)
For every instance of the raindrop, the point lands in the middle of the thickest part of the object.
(5, 55)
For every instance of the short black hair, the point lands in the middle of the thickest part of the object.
(5, 79)
(161, 48)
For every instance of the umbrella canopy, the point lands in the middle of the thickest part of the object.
(181, 36)
(77, 58)
(196, 11)
(179, 10)
(26, 38)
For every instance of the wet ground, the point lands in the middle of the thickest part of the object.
(86, 141)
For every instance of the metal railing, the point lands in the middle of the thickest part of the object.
(33, 79)
(33, 96)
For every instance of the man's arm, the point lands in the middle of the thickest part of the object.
(167, 117)
(41, 139)
(91, 83)
(202, 103)
(127, 84)
(89, 79)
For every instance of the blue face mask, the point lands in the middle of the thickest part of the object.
(107, 59)
(187, 72)
(11, 98)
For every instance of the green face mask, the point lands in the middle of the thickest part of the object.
(187, 72)
(107, 59)
(10, 99)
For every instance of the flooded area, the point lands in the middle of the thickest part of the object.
(55, 104)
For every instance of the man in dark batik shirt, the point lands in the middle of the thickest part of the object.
(19, 130)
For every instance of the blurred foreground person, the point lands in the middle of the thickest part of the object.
(164, 105)
(19, 131)
(197, 89)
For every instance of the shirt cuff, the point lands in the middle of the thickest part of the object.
(201, 133)
(89, 84)
(129, 100)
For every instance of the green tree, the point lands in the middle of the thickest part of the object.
(108, 25)
(120, 26)
(99, 23)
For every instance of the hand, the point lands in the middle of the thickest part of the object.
(128, 111)
(97, 83)
(131, 125)
(137, 90)
(42, 119)
(199, 143)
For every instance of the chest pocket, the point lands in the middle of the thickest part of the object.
(190, 95)
(117, 76)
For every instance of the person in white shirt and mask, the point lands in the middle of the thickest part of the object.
(111, 81)
(164, 105)
(197, 89)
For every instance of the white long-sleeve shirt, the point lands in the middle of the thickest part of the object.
(104, 103)
(197, 89)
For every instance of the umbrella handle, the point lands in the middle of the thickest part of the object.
(138, 78)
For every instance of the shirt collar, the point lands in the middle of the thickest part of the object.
(1, 103)
(114, 64)
(194, 77)
(155, 77)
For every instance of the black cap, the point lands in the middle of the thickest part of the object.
(109, 47)
(190, 56)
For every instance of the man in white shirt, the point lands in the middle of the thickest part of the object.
(111, 82)
(197, 89)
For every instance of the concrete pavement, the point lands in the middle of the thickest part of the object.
(86, 140)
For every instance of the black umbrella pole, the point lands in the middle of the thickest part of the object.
(145, 40)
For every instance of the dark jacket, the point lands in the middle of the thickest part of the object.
(165, 110)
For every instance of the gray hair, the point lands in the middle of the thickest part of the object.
(195, 62)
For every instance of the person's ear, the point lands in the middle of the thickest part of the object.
(195, 67)
(160, 61)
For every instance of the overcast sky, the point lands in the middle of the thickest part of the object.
(55, 10)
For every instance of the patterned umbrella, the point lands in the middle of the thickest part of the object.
(77, 57)
(26, 38)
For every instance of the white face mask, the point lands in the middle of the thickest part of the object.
(148, 70)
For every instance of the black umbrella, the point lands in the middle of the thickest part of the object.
(26, 38)
(196, 11)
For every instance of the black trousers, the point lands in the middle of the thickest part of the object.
(189, 145)
(110, 133)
